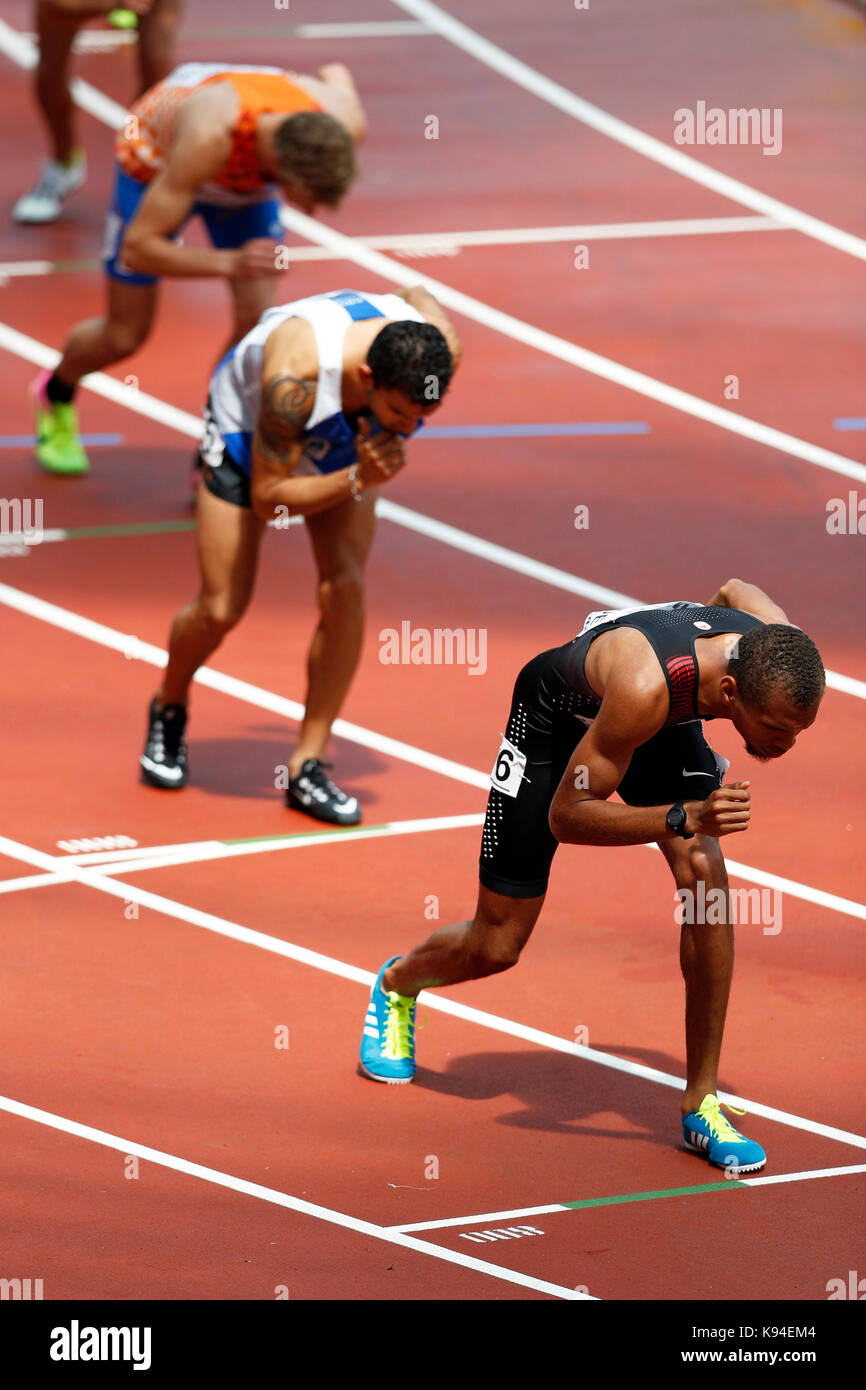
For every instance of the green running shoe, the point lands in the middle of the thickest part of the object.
(58, 447)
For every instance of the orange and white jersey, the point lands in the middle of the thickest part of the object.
(143, 144)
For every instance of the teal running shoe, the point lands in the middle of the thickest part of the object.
(706, 1131)
(388, 1044)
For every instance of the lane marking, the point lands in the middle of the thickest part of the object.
(857, 422)
(592, 362)
(351, 29)
(280, 1199)
(571, 353)
(220, 926)
(27, 441)
(134, 649)
(520, 73)
(491, 1216)
(119, 861)
(190, 425)
(449, 243)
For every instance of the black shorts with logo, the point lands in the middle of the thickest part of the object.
(220, 474)
(517, 848)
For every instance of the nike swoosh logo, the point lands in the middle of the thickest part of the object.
(698, 774)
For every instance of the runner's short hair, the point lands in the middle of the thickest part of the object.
(315, 154)
(777, 659)
(413, 358)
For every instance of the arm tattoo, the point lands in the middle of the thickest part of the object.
(286, 405)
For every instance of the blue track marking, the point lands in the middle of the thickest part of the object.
(28, 441)
(531, 431)
(851, 422)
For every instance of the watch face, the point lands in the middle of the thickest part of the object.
(676, 818)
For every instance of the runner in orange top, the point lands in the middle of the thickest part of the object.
(221, 142)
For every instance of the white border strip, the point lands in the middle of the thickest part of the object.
(208, 921)
(282, 1199)
(584, 111)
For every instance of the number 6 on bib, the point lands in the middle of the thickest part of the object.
(509, 769)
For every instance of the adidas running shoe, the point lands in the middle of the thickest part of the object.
(388, 1044)
(706, 1131)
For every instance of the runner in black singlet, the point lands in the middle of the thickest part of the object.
(621, 708)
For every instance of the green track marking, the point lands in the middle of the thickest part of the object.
(650, 1196)
(141, 528)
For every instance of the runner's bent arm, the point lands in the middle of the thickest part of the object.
(749, 599)
(201, 149)
(580, 812)
(288, 397)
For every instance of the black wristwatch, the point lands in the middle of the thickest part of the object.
(675, 820)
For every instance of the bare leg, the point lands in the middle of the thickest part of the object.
(157, 32)
(341, 539)
(490, 943)
(56, 32)
(98, 343)
(228, 548)
(707, 963)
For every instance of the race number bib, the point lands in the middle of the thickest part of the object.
(508, 771)
(212, 446)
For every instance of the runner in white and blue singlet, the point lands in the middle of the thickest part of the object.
(307, 415)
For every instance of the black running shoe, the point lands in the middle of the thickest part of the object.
(163, 762)
(313, 793)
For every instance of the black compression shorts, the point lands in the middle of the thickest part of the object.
(220, 474)
(517, 846)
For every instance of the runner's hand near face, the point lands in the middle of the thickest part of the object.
(255, 258)
(724, 812)
(380, 457)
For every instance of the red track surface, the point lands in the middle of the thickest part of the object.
(161, 1033)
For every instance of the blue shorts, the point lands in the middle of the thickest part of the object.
(227, 228)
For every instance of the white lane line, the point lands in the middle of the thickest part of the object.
(471, 544)
(133, 648)
(268, 842)
(492, 56)
(190, 425)
(484, 1219)
(488, 1217)
(806, 1176)
(571, 353)
(18, 885)
(281, 1199)
(511, 327)
(208, 921)
(362, 29)
(449, 242)
(199, 851)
